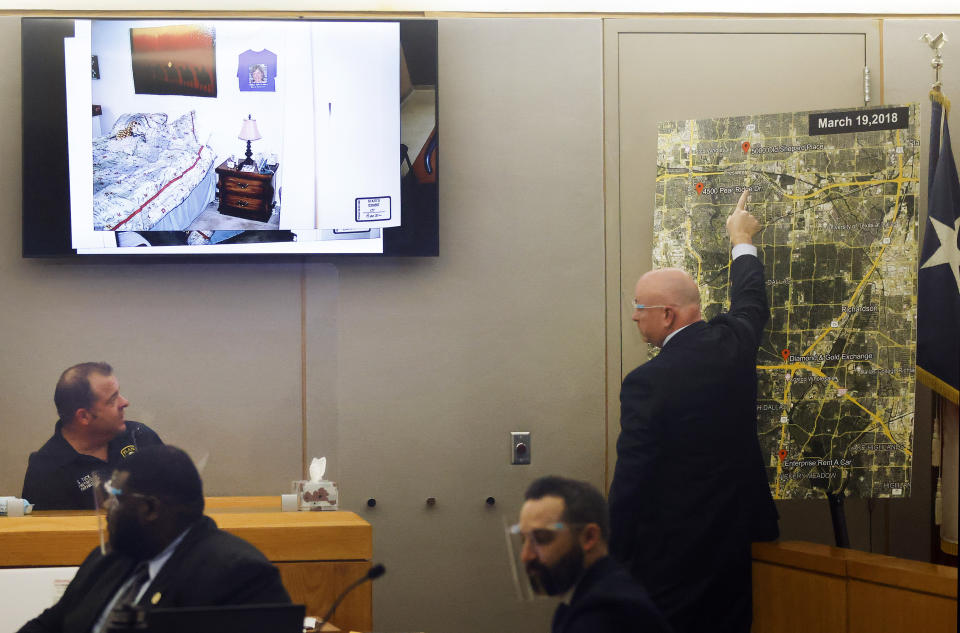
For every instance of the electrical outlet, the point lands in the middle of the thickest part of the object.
(520, 447)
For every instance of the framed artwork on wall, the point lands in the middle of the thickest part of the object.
(174, 60)
(94, 67)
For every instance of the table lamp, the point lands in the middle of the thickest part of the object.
(249, 132)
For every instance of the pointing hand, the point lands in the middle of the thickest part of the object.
(741, 225)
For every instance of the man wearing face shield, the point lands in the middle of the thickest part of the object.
(162, 551)
(561, 546)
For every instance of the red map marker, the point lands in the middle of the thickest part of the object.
(782, 454)
(785, 353)
(746, 147)
(699, 188)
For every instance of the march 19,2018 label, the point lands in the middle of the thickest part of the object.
(841, 122)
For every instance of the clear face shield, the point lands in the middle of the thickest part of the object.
(531, 552)
(106, 495)
(104, 498)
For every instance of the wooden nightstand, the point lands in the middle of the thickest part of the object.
(245, 194)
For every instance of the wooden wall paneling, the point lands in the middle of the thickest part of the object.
(790, 600)
(808, 587)
(882, 609)
(317, 585)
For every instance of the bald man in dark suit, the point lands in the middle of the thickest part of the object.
(689, 492)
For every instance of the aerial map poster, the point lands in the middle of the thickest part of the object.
(836, 194)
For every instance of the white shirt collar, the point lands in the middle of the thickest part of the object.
(157, 561)
(671, 334)
(155, 564)
(738, 250)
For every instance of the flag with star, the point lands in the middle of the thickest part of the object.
(938, 302)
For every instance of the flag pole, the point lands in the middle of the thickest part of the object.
(944, 410)
(936, 42)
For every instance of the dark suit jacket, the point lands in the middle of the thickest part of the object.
(608, 600)
(690, 491)
(210, 567)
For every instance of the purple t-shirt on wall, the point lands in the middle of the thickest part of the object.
(257, 71)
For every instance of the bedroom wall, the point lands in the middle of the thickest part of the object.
(220, 117)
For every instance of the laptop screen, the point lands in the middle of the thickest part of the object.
(255, 618)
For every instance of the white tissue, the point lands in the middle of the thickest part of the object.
(317, 467)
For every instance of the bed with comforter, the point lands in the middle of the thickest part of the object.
(146, 169)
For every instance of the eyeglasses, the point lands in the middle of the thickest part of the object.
(539, 537)
(640, 306)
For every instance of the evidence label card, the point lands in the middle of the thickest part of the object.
(372, 209)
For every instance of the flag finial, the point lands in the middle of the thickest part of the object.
(936, 42)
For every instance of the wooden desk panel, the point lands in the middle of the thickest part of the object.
(298, 536)
(802, 555)
(809, 587)
(243, 504)
(50, 539)
(909, 575)
(882, 609)
(318, 553)
(797, 600)
(317, 585)
(47, 541)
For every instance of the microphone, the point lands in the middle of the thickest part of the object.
(372, 574)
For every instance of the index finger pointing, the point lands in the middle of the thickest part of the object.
(742, 202)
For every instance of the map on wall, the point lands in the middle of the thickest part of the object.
(836, 194)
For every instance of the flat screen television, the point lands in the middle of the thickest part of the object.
(174, 137)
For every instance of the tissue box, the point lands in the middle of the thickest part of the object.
(317, 495)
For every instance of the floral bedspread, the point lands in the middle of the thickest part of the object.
(142, 170)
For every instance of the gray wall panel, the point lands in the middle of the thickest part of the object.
(440, 359)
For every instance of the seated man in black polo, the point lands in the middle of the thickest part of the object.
(90, 437)
(564, 528)
(163, 552)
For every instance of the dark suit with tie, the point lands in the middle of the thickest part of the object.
(209, 567)
(690, 491)
(608, 600)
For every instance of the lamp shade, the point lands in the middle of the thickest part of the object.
(249, 131)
